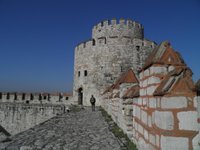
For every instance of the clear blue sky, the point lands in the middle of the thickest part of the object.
(37, 37)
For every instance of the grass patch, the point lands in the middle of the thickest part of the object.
(127, 144)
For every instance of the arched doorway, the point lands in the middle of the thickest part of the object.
(80, 96)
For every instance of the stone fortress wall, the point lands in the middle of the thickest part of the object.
(21, 111)
(159, 110)
(36, 98)
(115, 47)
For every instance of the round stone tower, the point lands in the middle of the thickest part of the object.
(115, 47)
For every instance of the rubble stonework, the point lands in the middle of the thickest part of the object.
(115, 47)
(21, 111)
(165, 106)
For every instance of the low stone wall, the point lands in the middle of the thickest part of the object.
(18, 117)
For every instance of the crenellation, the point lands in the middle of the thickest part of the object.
(37, 98)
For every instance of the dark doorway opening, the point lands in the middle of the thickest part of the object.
(80, 96)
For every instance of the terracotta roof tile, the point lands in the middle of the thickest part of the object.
(164, 54)
(177, 81)
(132, 92)
(127, 77)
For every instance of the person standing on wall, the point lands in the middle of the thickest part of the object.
(92, 101)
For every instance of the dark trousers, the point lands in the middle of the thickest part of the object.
(93, 107)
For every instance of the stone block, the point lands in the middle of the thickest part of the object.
(135, 100)
(141, 75)
(157, 140)
(151, 89)
(146, 135)
(158, 70)
(173, 102)
(140, 129)
(144, 101)
(196, 142)
(152, 102)
(134, 110)
(144, 117)
(142, 92)
(146, 73)
(164, 120)
(153, 80)
(141, 83)
(138, 112)
(145, 83)
(174, 143)
(149, 121)
(158, 102)
(170, 68)
(188, 120)
(139, 101)
(152, 139)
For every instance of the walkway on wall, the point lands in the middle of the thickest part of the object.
(82, 130)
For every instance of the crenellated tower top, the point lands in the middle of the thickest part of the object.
(118, 28)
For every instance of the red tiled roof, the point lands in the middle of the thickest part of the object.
(177, 81)
(127, 77)
(164, 54)
(132, 92)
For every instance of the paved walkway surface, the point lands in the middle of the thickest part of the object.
(83, 130)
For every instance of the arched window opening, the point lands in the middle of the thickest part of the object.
(0, 95)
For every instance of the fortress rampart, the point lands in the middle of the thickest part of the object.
(18, 117)
(114, 48)
(21, 111)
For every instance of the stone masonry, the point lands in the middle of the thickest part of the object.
(163, 104)
(21, 111)
(115, 47)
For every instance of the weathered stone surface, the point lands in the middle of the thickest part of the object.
(188, 120)
(158, 70)
(173, 102)
(174, 143)
(151, 89)
(82, 130)
(153, 80)
(196, 142)
(18, 117)
(164, 120)
(152, 102)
